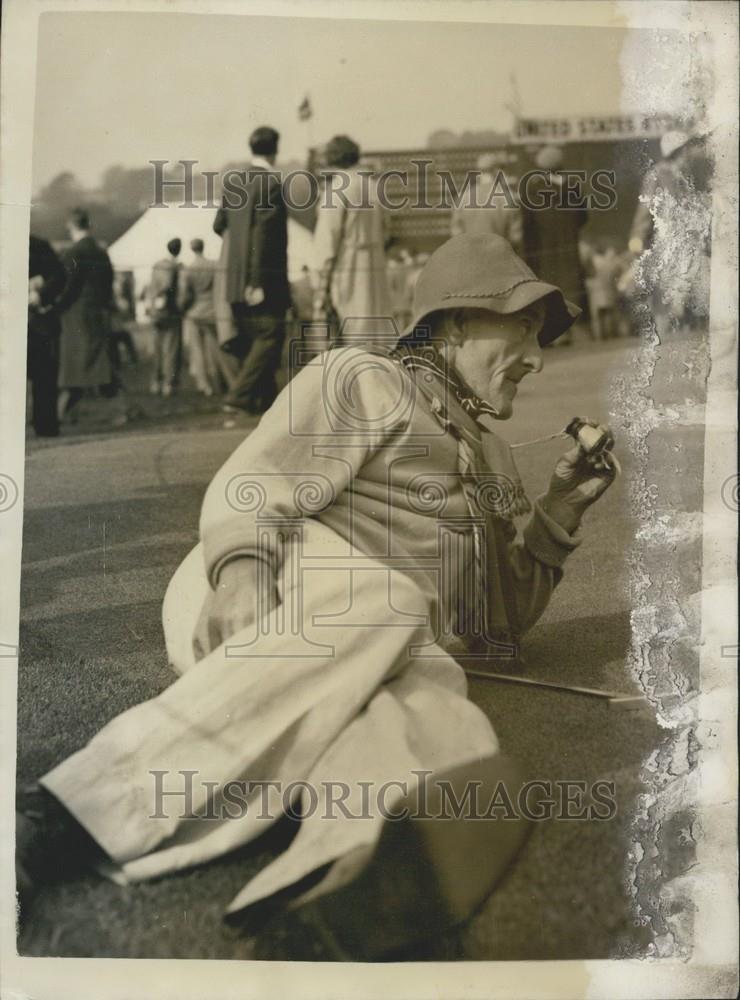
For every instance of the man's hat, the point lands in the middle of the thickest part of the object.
(483, 272)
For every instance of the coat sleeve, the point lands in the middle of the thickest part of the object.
(53, 272)
(268, 213)
(74, 279)
(279, 474)
(535, 564)
(326, 240)
(527, 566)
(221, 222)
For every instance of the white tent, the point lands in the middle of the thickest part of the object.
(141, 246)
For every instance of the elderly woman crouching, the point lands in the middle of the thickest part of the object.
(355, 549)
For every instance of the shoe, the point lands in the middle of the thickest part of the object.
(425, 875)
(167, 391)
(49, 844)
(27, 840)
(155, 388)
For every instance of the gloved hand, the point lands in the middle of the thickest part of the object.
(577, 482)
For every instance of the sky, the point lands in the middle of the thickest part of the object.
(125, 88)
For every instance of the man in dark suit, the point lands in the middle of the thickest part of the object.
(85, 304)
(255, 257)
(551, 230)
(46, 279)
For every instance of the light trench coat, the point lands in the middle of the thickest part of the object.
(349, 243)
(344, 495)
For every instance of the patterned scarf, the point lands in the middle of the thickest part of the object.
(425, 357)
(497, 489)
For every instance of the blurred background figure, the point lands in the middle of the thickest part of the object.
(349, 246)
(502, 218)
(206, 361)
(666, 175)
(627, 292)
(606, 267)
(46, 279)
(123, 320)
(254, 260)
(550, 234)
(302, 293)
(166, 319)
(400, 268)
(677, 193)
(86, 303)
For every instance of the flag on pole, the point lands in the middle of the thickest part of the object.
(514, 104)
(305, 111)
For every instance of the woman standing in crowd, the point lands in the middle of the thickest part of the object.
(349, 242)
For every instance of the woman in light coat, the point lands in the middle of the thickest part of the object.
(355, 549)
(349, 243)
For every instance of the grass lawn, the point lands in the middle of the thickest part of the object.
(109, 515)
